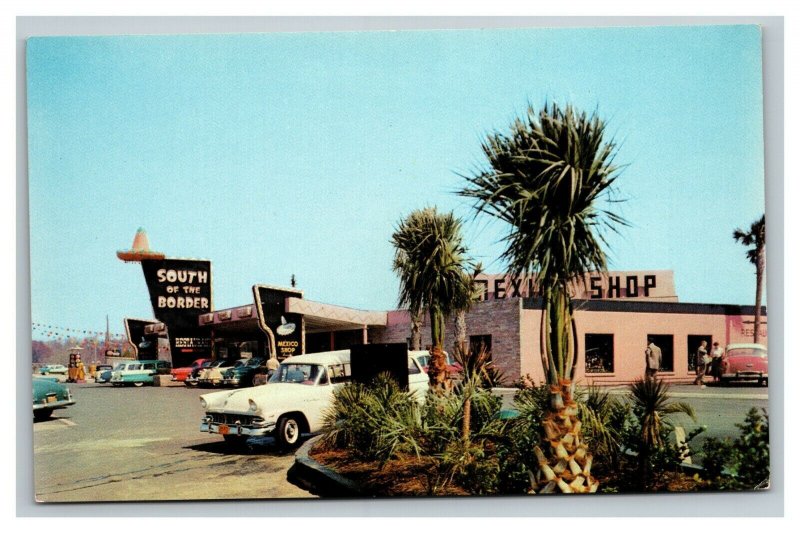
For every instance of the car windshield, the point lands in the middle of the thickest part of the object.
(120, 366)
(255, 361)
(240, 362)
(747, 352)
(306, 374)
(424, 360)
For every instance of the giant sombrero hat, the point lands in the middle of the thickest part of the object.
(140, 250)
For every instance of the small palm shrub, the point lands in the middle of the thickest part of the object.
(375, 422)
(604, 419)
(650, 427)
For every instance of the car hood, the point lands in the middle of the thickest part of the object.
(269, 397)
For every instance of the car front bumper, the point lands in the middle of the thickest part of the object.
(746, 375)
(236, 429)
(53, 405)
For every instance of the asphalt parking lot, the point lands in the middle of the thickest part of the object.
(132, 444)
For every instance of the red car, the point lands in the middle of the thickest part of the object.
(180, 374)
(744, 362)
(423, 357)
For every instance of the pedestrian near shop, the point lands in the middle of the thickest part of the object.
(701, 366)
(716, 361)
(652, 358)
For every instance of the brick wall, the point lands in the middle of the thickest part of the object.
(498, 318)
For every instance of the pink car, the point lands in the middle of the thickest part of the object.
(744, 362)
(180, 374)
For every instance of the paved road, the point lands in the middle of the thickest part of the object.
(123, 444)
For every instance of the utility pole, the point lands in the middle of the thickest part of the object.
(108, 338)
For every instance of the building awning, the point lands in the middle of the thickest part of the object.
(321, 317)
(318, 317)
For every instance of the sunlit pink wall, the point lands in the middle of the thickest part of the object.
(630, 332)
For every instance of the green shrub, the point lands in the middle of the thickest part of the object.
(374, 422)
(744, 463)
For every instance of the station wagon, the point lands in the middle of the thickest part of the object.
(138, 373)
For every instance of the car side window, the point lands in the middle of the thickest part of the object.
(149, 366)
(412, 367)
(339, 373)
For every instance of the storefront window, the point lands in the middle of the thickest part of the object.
(666, 343)
(599, 353)
(480, 342)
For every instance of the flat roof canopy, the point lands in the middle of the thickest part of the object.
(318, 318)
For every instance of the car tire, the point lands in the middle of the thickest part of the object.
(288, 432)
(42, 414)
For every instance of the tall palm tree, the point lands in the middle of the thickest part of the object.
(432, 264)
(757, 238)
(545, 179)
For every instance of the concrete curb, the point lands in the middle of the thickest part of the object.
(319, 480)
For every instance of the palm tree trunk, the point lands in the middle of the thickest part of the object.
(437, 370)
(759, 288)
(567, 465)
(461, 331)
(416, 334)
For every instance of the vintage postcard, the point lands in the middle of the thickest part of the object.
(391, 264)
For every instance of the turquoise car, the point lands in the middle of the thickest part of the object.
(49, 395)
(138, 373)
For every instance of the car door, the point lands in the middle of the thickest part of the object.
(417, 380)
(318, 398)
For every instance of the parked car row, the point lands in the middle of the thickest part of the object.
(222, 372)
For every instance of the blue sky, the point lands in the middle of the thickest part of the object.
(297, 153)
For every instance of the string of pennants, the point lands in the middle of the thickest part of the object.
(49, 330)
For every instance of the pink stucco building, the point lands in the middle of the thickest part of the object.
(613, 326)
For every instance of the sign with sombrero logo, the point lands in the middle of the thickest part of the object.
(285, 330)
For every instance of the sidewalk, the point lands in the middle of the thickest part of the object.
(676, 391)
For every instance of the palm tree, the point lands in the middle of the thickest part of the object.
(652, 407)
(545, 179)
(432, 264)
(757, 238)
